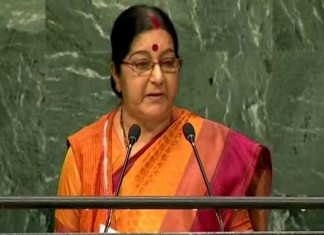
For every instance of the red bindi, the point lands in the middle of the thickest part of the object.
(155, 47)
(155, 22)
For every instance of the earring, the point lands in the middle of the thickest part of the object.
(118, 88)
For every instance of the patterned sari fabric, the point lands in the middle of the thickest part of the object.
(234, 164)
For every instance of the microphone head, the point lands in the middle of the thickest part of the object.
(189, 132)
(133, 134)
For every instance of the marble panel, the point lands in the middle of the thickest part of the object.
(254, 65)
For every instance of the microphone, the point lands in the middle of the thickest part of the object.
(133, 135)
(189, 133)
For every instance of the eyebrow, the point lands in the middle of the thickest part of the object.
(143, 52)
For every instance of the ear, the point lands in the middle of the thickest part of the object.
(115, 76)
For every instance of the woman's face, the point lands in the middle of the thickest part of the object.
(149, 90)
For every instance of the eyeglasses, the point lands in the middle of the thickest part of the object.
(170, 65)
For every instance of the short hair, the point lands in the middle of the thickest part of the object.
(130, 23)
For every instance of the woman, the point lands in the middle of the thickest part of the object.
(145, 69)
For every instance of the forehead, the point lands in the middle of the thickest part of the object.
(144, 41)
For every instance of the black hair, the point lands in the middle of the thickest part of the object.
(131, 22)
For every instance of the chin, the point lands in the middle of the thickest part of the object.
(159, 113)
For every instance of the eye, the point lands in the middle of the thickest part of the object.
(169, 63)
(142, 65)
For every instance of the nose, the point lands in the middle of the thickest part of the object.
(156, 74)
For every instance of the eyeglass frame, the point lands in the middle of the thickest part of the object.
(131, 66)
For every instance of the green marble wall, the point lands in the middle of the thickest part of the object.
(254, 65)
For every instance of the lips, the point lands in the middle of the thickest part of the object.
(155, 97)
(155, 94)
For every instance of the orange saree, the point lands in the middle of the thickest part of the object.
(235, 166)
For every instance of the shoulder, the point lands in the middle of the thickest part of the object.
(210, 128)
(89, 132)
(86, 144)
(204, 126)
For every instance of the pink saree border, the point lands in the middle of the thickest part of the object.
(242, 155)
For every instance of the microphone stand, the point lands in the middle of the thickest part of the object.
(129, 149)
(209, 189)
(189, 133)
(133, 136)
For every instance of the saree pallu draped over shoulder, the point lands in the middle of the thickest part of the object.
(234, 164)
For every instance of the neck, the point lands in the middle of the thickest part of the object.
(149, 128)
